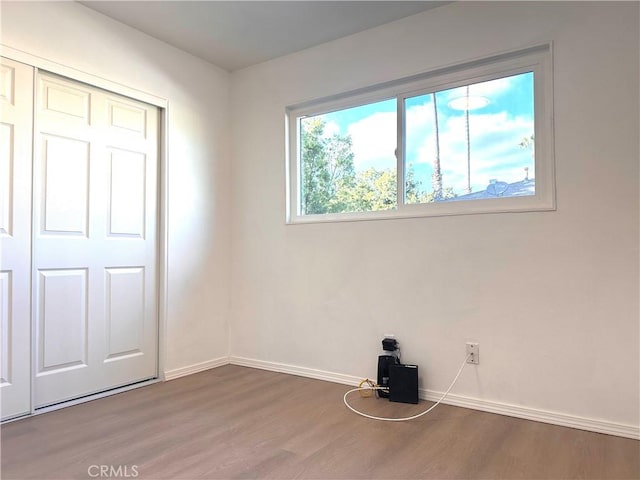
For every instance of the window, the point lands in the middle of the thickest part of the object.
(473, 138)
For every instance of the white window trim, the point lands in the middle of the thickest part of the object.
(537, 59)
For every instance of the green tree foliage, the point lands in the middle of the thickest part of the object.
(415, 194)
(330, 183)
(374, 190)
(327, 169)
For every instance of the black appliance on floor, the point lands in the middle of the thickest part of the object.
(400, 381)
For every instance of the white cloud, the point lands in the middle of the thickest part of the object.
(492, 87)
(420, 129)
(331, 128)
(494, 142)
(374, 141)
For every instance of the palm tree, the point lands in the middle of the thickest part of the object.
(466, 115)
(436, 177)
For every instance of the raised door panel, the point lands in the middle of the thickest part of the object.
(128, 171)
(65, 188)
(61, 300)
(125, 305)
(8, 82)
(127, 118)
(6, 324)
(61, 98)
(6, 178)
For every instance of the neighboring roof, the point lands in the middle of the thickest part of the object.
(498, 189)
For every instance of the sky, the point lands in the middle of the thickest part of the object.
(500, 116)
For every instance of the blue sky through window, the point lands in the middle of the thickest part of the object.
(501, 115)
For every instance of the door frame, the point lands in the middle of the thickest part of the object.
(43, 64)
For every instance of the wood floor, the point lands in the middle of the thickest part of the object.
(235, 422)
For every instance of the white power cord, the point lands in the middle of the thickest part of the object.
(403, 419)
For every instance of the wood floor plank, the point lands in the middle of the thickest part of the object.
(241, 423)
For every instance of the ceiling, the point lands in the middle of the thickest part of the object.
(237, 34)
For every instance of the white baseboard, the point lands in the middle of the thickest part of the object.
(198, 367)
(544, 416)
(293, 370)
(554, 418)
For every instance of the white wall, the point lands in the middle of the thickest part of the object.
(198, 155)
(552, 297)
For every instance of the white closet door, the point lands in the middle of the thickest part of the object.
(94, 242)
(16, 120)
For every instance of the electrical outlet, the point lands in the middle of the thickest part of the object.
(473, 352)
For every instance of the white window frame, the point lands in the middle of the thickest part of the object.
(536, 59)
